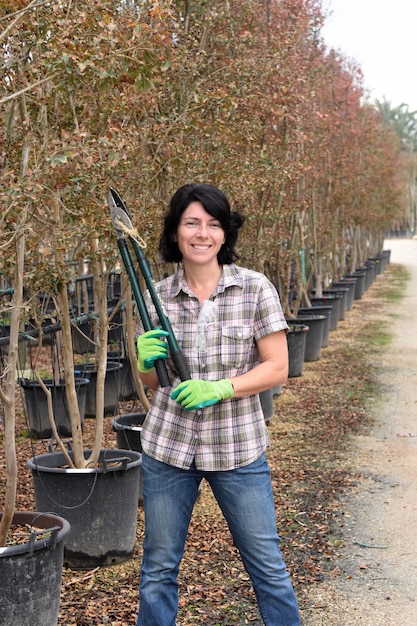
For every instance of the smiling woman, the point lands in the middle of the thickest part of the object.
(231, 330)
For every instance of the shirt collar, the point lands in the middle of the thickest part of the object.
(231, 276)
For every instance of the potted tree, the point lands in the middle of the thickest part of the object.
(98, 488)
(69, 152)
(31, 563)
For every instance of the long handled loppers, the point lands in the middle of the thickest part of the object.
(126, 233)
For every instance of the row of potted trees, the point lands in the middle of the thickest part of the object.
(92, 492)
(310, 326)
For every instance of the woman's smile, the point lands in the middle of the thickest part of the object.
(199, 235)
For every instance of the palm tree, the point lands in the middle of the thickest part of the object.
(403, 121)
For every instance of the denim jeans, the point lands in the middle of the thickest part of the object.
(245, 498)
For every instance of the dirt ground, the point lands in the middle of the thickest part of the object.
(378, 556)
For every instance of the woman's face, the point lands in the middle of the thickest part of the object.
(199, 235)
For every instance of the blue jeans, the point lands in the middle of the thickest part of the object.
(245, 498)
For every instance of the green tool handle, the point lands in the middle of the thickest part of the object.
(176, 353)
(160, 365)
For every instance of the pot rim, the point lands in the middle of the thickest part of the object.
(59, 526)
(48, 463)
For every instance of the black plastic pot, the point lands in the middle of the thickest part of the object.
(314, 336)
(341, 293)
(267, 403)
(82, 338)
(371, 265)
(319, 310)
(111, 387)
(368, 270)
(128, 429)
(296, 340)
(37, 406)
(127, 389)
(100, 504)
(360, 276)
(329, 300)
(31, 573)
(386, 257)
(276, 391)
(83, 335)
(347, 283)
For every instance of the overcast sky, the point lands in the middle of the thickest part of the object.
(381, 35)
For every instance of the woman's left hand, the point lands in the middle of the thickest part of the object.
(197, 394)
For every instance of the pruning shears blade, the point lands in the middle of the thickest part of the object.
(118, 213)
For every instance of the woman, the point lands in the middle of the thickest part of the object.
(230, 327)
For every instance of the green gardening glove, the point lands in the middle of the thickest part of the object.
(150, 348)
(197, 394)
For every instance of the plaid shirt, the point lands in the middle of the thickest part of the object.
(218, 341)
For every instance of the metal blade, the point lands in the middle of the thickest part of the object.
(118, 213)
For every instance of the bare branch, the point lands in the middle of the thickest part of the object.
(29, 87)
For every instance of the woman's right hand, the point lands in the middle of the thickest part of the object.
(151, 348)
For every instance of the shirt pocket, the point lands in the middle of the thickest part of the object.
(236, 346)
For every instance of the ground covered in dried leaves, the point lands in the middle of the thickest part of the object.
(313, 420)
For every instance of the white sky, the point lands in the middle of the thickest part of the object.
(381, 35)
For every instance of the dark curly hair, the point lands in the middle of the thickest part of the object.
(216, 204)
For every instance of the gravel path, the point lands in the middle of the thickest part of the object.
(379, 553)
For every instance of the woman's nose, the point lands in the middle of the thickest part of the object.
(202, 230)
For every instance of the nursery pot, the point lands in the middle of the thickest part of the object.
(329, 300)
(346, 283)
(31, 573)
(276, 391)
(386, 257)
(111, 387)
(100, 504)
(319, 310)
(37, 406)
(360, 276)
(83, 334)
(82, 338)
(371, 266)
(314, 336)
(267, 403)
(127, 388)
(342, 292)
(128, 429)
(368, 271)
(296, 340)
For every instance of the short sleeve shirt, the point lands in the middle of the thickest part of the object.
(218, 340)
